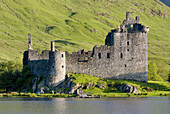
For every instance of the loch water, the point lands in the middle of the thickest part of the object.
(148, 105)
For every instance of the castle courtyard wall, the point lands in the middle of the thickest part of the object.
(39, 68)
(132, 65)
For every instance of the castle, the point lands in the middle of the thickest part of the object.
(124, 56)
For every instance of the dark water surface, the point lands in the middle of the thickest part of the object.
(150, 105)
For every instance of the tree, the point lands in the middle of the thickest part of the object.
(153, 72)
(12, 76)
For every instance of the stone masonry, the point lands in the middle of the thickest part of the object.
(124, 56)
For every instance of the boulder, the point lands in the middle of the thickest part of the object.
(74, 88)
(68, 83)
(135, 90)
(128, 88)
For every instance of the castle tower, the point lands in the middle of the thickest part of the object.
(30, 47)
(57, 66)
(130, 50)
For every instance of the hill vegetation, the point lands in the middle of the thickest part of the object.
(78, 24)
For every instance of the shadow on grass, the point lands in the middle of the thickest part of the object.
(64, 42)
(72, 14)
(157, 86)
(49, 28)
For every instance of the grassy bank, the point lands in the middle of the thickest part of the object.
(152, 88)
(33, 95)
(113, 94)
(104, 88)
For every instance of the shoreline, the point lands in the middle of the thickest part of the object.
(103, 95)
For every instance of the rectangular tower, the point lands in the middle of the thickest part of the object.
(130, 50)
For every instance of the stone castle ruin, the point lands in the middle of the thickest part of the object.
(124, 56)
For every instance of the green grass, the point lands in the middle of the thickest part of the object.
(33, 95)
(157, 86)
(69, 23)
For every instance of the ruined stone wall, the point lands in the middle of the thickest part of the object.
(39, 67)
(126, 59)
(97, 64)
(34, 55)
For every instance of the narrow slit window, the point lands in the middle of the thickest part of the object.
(127, 49)
(62, 55)
(125, 65)
(62, 66)
(99, 55)
(108, 55)
(121, 55)
(127, 36)
(128, 43)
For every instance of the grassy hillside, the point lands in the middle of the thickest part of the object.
(78, 24)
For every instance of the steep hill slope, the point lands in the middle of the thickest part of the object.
(78, 24)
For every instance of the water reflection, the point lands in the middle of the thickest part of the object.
(74, 105)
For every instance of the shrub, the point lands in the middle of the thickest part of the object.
(153, 72)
